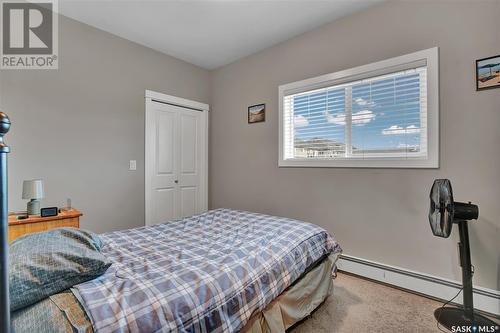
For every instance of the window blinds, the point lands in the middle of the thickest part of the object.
(383, 116)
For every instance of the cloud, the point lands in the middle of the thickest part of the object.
(360, 118)
(362, 102)
(398, 130)
(337, 118)
(300, 121)
(408, 146)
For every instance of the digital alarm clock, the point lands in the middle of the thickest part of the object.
(49, 211)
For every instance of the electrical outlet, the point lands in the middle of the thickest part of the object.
(132, 165)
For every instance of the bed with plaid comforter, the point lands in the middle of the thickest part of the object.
(206, 273)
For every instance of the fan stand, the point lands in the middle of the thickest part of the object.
(454, 316)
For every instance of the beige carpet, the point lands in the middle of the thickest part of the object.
(359, 305)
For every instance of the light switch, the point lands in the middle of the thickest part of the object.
(132, 165)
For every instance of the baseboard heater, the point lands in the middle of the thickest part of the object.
(486, 300)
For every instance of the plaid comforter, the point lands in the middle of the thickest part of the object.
(206, 273)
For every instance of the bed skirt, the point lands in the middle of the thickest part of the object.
(297, 302)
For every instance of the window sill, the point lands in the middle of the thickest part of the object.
(388, 163)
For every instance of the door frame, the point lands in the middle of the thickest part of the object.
(150, 98)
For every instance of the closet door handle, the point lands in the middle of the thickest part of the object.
(176, 181)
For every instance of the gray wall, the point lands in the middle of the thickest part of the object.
(77, 127)
(376, 214)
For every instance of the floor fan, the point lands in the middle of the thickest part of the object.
(443, 213)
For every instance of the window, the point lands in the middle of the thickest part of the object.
(383, 114)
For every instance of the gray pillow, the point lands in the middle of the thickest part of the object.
(46, 263)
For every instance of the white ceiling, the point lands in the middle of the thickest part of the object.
(209, 33)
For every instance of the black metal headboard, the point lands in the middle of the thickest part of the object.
(4, 246)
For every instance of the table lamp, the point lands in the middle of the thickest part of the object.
(33, 191)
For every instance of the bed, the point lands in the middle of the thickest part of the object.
(220, 271)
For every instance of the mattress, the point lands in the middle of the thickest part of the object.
(211, 272)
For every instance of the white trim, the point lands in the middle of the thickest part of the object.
(206, 161)
(485, 299)
(429, 57)
(148, 155)
(176, 101)
(152, 97)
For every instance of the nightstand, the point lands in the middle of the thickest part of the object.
(32, 224)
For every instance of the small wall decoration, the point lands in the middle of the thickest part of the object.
(488, 73)
(256, 113)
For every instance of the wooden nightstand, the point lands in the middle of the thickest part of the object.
(32, 224)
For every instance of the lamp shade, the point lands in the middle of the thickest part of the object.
(33, 189)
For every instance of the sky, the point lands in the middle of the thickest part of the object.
(385, 114)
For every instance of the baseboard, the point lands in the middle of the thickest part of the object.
(486, 300)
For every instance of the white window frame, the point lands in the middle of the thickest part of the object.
(428, 57)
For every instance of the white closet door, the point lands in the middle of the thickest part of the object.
(191, 133)
(175, 162)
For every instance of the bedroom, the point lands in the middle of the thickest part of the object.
(81, 127)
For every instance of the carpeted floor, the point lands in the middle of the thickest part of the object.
(359, 305)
